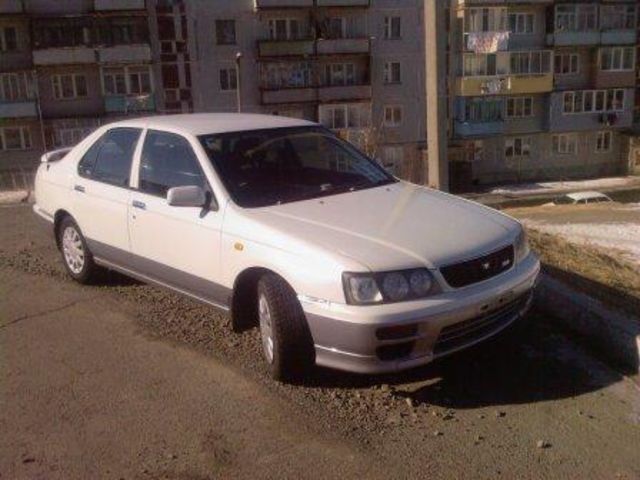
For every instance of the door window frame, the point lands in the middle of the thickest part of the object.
(211, 187)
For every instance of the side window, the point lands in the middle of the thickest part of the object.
(168, 161)
(109, 159)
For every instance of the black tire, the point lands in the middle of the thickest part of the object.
(88, 270)
(293, 353)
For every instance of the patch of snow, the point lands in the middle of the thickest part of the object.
(624, 237)
(550, 187)
(13, 196)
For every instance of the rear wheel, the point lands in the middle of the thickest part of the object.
(286, 340)
(76, 256)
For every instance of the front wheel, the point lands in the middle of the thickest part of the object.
(76, 256)
(286, 339)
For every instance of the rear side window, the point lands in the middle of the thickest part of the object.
(168, 161)
(109, 159)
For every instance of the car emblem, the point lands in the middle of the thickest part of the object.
(486, 265)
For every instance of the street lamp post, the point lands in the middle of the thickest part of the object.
(238, 83)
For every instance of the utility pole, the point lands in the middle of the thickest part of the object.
(435, 41)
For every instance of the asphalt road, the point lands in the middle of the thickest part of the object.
(123, 380)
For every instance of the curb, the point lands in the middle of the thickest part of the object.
(614, 334)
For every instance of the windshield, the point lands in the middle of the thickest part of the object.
(274, 166)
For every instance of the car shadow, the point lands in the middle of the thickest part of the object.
(543, 366)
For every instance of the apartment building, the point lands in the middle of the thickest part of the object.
(356, 66)
(66, 67)
(541, 89)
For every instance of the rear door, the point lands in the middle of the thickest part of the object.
(102, 193)
(179, 246)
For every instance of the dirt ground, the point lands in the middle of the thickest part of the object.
(123, 380)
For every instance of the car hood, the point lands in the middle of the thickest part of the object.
(395, 226)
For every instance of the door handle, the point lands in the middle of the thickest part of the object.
(78, 188)
(139, 204)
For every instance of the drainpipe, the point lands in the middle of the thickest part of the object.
(238, 83)
(34, 77)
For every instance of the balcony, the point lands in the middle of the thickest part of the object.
(125, 54)
(283, 3)
(285, 48)
(105, 5)
(289, 95)
(473, 3)
(504, 85)
(344, 93)
(343, 46)
(18, 109)
(129, 104)
(592, 120)
(11, 6)
(64, 56)
(559, 39)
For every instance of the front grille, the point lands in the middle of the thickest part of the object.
(468, 331)
(482, 268)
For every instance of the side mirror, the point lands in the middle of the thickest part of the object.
(187, 196)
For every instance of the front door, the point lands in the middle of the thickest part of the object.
(178, 246)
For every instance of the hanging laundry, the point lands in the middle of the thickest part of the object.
(487, 42)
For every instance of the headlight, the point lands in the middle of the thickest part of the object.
(521, 246)
(388, 287)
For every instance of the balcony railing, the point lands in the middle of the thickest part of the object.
(18, 109)
(125, 54)
(129, 103)
(343, 3)
(504, 84)
(331, 46)
(289, 95)
(283, 3)
(64, 55)
(344, 93)
(285, 48)
(101, 5)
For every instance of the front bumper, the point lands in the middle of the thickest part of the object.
(346, 337)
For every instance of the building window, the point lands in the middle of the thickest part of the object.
(392, 72)
(392, 115)
(485, 20)
(392, 28)
(226, 32)
(603, 142)
(14, 86)
(345, 116)
(228, 79)
(480, 110)
(286, 75)
(392, 158)
(127, 80)
(284, 29)
(337, 74)
(617, 58)
(588, 101)
(521, 23)
(8, 39)
(519, 107)
(68, 137)
(617, 17)
(576, 17)
(336, 27)
(566, 63)
(15, 138)
(565, 144)
(69, 86)
(527, 63)
(480, 65)
(517, 147)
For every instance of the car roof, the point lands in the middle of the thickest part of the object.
(211, 123)
(585, 195)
